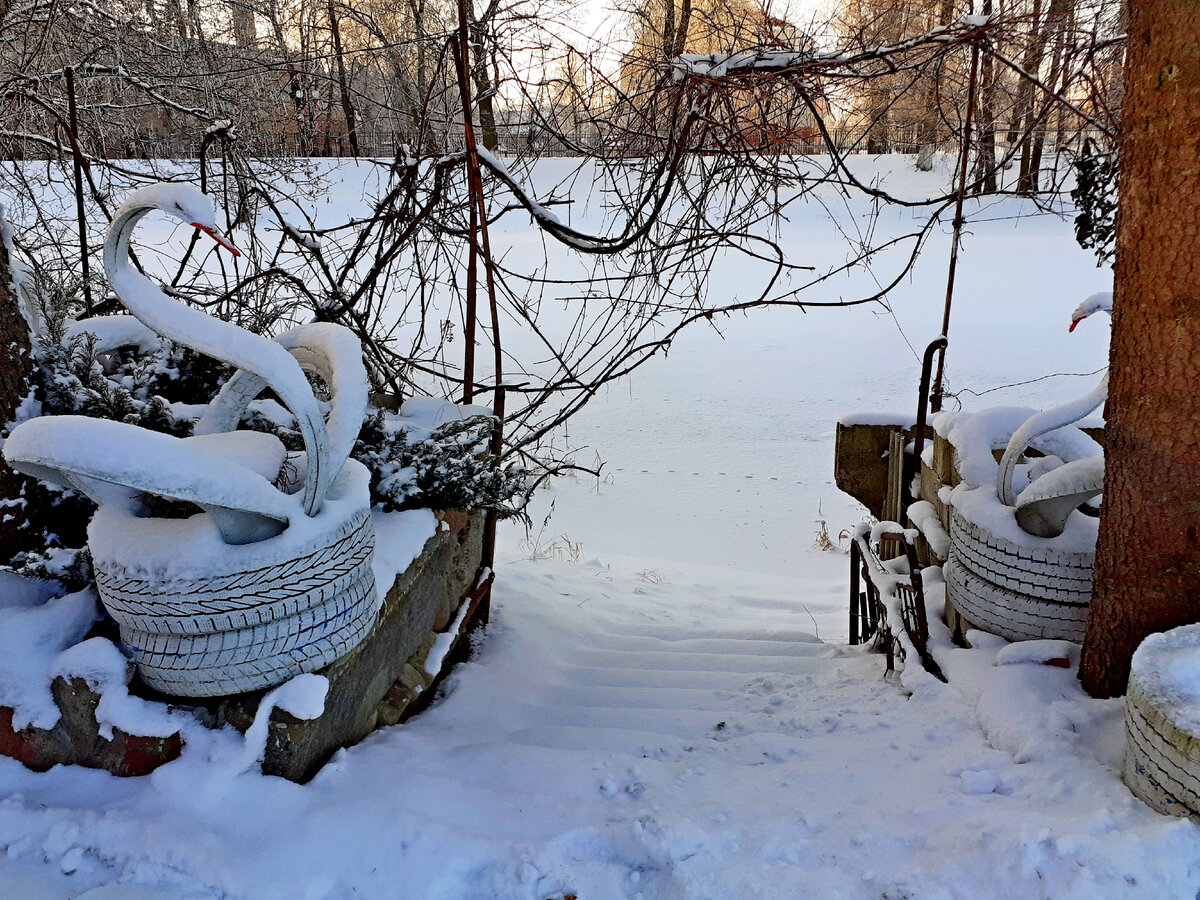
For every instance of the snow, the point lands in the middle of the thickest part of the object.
(925, 517)
(901, 420)
(443, 642)
(421, 416)
(98, 662)
(399, 539)
(1037, 652)
(31, 638)
(1077, 477)
(616, 736)
(116, 528)
(115, 331)
(676, 713)
(981, 507)
(115, 460)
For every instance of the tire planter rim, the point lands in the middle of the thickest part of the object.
(235, 600)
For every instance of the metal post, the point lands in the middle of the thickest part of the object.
(855, 603)
(462, 65)
(923, 401)
(936, 397)
(77, 158)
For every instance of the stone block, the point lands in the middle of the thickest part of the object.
(76, 739)
(860, 466)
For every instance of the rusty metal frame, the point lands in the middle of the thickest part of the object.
(868, 611)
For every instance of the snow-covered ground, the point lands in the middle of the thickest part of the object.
(664, 706)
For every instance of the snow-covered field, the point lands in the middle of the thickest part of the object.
(664, 705)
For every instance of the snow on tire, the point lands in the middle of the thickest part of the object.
(254, 674)
(241, 598)
(1012, 615)
(1042, 572)
(226, 648)
(1162, 749)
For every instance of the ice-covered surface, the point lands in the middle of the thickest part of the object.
(1167, 666)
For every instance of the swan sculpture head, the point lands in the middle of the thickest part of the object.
(1102, 301)
(183, 202)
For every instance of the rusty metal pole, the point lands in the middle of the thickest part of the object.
(77, 159)
(482, 247)
(935, 398)
(462, 65)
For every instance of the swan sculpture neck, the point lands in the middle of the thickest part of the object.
(1058, 417)
(213, 337)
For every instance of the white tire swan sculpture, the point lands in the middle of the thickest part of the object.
(1006, 573)
(267, 581)
(1042, 508)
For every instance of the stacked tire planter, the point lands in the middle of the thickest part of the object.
(1018, 591)
(241, 627)
(1162, 723)
(271, 576)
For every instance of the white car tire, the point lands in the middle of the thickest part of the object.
(266, 671)
(1042, 572)
(1012, 615)
(237, 600)
(1162, 754)
(227, 648)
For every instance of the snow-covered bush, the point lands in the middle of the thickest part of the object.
(450, 469)
(160, 390)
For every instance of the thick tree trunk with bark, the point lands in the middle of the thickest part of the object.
(1148, 557)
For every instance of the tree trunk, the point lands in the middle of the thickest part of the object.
(927, 135)
(343, 85)
(985, 162)
(484, 89)
(1147, 575)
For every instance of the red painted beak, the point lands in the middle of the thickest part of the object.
(220, 238)
(1075, 322)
